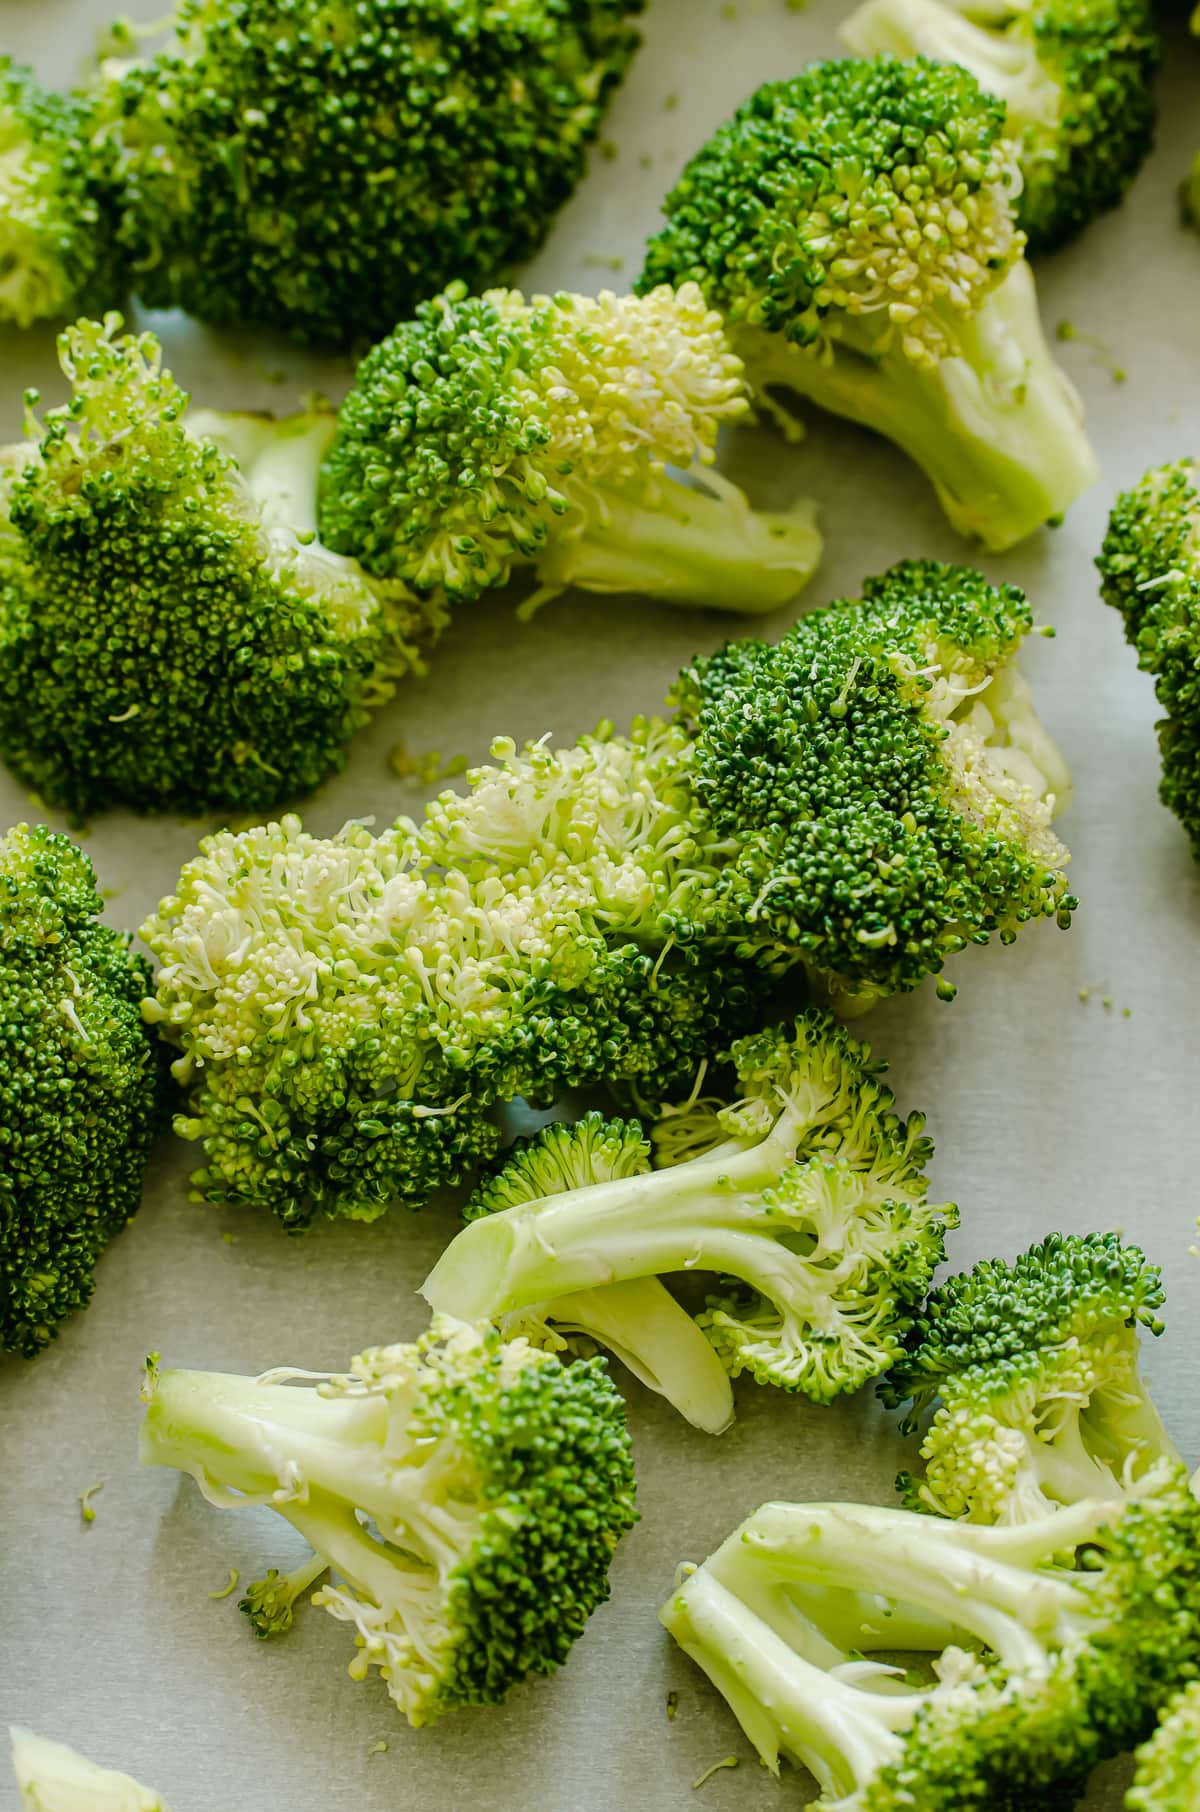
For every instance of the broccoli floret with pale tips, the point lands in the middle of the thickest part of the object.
(53, 1778)
(82, 1092)
(813, 1207)
(1027, 1655)
(1167, 1771)
(58, 205)
(1076, 78)
(1032, 1373)
(855, 225)
(468, 1494)
(637, 1320)
(270, 1602)
(491, 433)
(172, 635)
(319, 171)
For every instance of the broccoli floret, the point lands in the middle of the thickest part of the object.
(1076, 78)
(172, 636)
(58, 209)
(53, 1778)
(812, 1205)
(489, 433)
(855, 226)
(638, 1319)
(320, 170)
(81, 1086)
(1057, 1642)
(1033, 1369)
(1167, 1776)
(1150, 567)
(270, 1603)
(496, 1483)
(866, 797)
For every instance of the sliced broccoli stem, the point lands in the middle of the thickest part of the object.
(656, 1339)
(1006, 66)
(784, 1701)
(689, 545)
(996, 427)
(280, 459)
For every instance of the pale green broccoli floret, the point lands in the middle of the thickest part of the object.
(270, 1603)
(491, 433)
(1167, 1776)
(53, 1778)
(638, 1320)
(466, 1492)
(1033, 1370)
(1026, 1655)
(811, 1204)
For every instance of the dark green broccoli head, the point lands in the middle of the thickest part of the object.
(885, 779)
(1150, 567)
(320, 169)
(58, 209)
(81, 1086)
(1076, 78)
(170, 638)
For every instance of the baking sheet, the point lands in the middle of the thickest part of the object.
(1047, 1111)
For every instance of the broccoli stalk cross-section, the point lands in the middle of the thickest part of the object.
(53, 1778)
(811, 1202)
(467, 1494)
(855, 227)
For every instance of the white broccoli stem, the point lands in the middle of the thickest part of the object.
(1005, 64)
(785, 1703)
(656, 1339)
(687, 544)
(684, 1218)
(1122, 1425)
(996, 426)
(279, 457)
(53, 1778)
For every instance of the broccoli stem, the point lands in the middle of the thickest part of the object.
(280, 460)
(1005, 66)
(996, 427)
(704, 547)
(783, 1700)
(656, 1339)
(680, 1219)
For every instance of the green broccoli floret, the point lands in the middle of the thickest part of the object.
(496, 1482)
(270, 1603)
(53, 1778)
(320, 170)
(172, 635)
(638, 1320)
(490, 432)
(1033, 1369)
(58, 209)
(1031, 1653)
(1167, 1776)
(812, 1205)
(81, 1086)
(1076, 78)
(855, 225)
(1150, 567)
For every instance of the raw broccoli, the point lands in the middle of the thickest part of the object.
(1033, 1368)
(53, 1778)
(490, 432)
(856, 227)
(1076, 78)
(320, 170)
(58, 209)
(270, 1603)
(810, 1200)
(1167, 1776)
(347, 1021)
(81, 1086)
(171, 633)
(1150, 567)
(496, 1483)
(1041, 1650)
(637, 1319)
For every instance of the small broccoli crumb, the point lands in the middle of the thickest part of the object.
(608, 150)
(227, 1591)
(1101, 351)
(1085, 994)
(428, 768)
(604, 261)
(728, 1761)
(86, 1509)
(378, 1748)
(672, 1706)
(670, 102)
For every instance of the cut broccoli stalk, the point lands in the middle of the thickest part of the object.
(53, 1778)
(996, 427)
